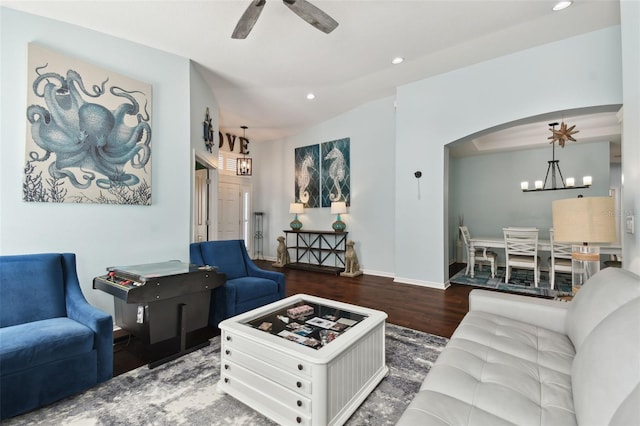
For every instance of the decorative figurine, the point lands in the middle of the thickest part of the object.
(351, 264)
(282, 253)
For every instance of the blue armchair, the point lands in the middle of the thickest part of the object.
(247, 286)
(53, 344)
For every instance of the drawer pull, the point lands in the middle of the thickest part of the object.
(299, 403)
(299, 384)
(300, 367)
(226, 380)
(226, 366)
(228, 338)
(298, 419)
(227, 352)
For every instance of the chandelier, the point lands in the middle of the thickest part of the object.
(554, 174)
(243, 165)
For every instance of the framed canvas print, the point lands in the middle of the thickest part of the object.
(307, 185)
(88, 136)
(336, 172)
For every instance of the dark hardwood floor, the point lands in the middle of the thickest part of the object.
(425, 309)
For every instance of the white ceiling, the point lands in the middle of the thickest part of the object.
(262, 81)
(601, 124)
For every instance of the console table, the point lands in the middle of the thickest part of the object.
(321, 251)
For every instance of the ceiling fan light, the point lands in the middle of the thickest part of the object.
(397, 60)
(311, 96)
(562, 5)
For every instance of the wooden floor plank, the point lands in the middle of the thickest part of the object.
(430, 310)
(421, 308)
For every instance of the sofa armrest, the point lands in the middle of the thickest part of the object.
(78, 309)
(545, 313)
(102, 326)
(278, 277)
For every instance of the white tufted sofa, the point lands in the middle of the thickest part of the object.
(527, 361)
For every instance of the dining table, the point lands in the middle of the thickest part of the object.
(543, 245)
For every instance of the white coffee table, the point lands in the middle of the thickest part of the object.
(304, 381)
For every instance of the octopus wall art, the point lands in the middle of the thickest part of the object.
(88, 133)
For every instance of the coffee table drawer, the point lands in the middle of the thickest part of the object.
(290, 401)
(257, 350)
(284, 378)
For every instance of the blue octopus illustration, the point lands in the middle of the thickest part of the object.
(87, 135)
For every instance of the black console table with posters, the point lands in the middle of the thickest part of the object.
(321, 251)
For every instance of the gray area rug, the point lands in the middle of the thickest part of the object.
(183, 391)
(521, 281)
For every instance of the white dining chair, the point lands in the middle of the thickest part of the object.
(521, 251)
(559, 260)
(482, 255)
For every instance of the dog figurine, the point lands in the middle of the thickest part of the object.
(351, 264)
(282, 253)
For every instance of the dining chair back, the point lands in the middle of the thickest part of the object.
(559, 260)
(521, 251)
(481, 254)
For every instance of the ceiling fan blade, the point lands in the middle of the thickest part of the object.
(248, 19)
(312, 15)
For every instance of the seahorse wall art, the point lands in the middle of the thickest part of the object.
(336, 172)
(85, 145)
(307, 185)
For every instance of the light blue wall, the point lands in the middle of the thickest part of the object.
(201, 97)
(370, 219)
(630, 16)
(485, 189)
(434, 112)
(100, 235)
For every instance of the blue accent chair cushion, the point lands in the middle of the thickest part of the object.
(53, 344)
(247, 287)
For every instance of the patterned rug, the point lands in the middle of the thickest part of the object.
(521, 281)
(182, 392)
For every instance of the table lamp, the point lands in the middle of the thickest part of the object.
(338, 207)
(296, 208)
(584, 220)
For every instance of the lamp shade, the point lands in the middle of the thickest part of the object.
(338, 207)
(296, 208)
(584, 220)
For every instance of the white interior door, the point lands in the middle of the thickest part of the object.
(201, 210)
(229, 209)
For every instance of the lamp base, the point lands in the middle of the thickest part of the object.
(585, 263)
(296, 225)
(339, 226)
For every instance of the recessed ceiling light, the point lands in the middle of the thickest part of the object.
(397, 60)
(311, 96)
(562, 5)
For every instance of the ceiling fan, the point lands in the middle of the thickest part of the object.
(302, 8)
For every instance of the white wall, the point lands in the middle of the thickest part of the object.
(100, 235)
(434, 112)
(370, 219)
(630, 16)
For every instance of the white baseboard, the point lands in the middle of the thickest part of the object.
(430, 284)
